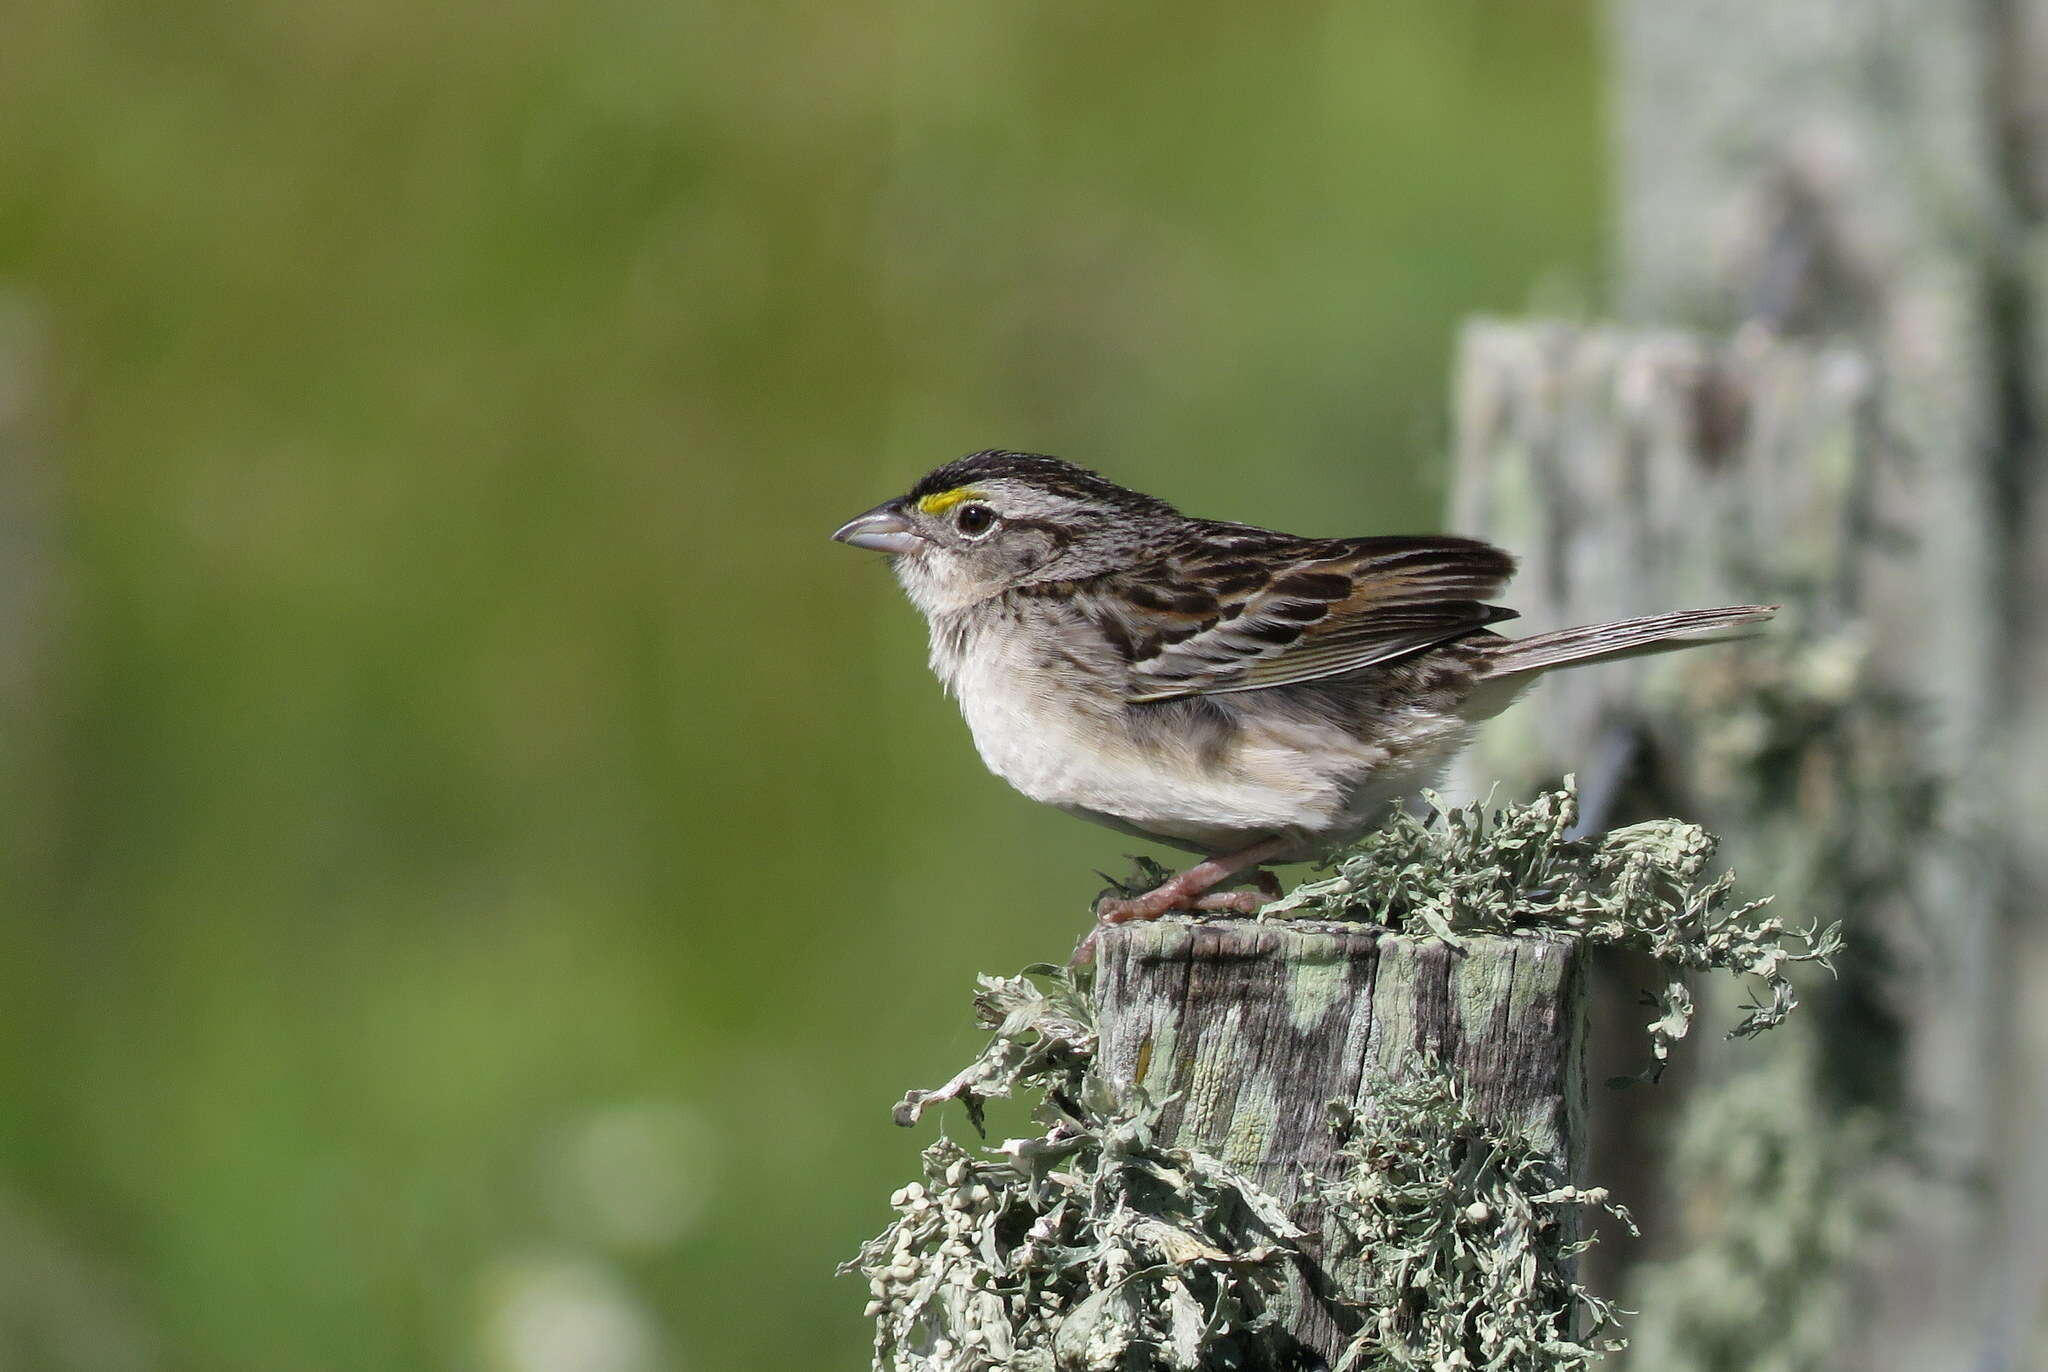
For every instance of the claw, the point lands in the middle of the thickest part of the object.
(1193, 889)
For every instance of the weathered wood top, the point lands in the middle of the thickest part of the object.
(1253, 1029)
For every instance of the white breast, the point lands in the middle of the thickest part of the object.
(1061, 742)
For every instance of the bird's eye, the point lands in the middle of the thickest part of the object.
(974, 520)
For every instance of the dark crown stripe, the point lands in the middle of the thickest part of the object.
(1047, 473)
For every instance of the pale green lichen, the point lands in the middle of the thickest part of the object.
(1463, 1232)
(1088, 1247)
(1044, 1034)
(1460, 870)
(1093, 1248)
(1314, 984)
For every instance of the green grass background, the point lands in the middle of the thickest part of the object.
(482, 863)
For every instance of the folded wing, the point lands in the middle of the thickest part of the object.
(1245, 610)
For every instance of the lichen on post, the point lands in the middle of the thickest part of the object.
(1345, 1135)
(1253, 1030)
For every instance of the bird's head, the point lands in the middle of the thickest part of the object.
(993, 521)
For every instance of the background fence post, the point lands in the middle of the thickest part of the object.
(1846, 200)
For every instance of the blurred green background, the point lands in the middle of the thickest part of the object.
(481, 864)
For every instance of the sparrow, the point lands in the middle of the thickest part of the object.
(1250, 696)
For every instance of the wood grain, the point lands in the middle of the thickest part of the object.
(1253, 1029)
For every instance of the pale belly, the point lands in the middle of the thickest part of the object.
(1314, 782)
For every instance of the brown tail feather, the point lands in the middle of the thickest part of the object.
(1625, 638)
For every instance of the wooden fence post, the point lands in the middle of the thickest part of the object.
(1255, 1029)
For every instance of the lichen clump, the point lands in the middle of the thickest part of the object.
(1462, 1235)
(1460, 870)
(1088, 1247)
(1093, 1247)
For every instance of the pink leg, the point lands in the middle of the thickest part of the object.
(1190, 890)
(1243, 901)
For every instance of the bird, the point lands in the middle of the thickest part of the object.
(1249, 696)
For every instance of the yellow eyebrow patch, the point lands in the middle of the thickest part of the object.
(946, 500)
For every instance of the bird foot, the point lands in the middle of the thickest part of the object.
(1193, 889)
(1151, 905)
(1181, 894)
(1112, 910)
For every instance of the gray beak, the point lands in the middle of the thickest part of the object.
(882, 530)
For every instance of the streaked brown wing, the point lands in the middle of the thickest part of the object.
(1241, 613)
